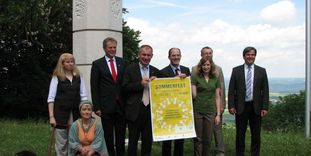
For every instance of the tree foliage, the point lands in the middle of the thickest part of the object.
(288, 114)
(130, 42)
(33, 35)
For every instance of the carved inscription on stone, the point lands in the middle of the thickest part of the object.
(80, 8)
(116, 8)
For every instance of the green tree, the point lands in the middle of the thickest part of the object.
(130, 42)
(288, 114)
(33, 35)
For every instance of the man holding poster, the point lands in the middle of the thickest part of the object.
(174, 69)
(171, 107)
(137, 77)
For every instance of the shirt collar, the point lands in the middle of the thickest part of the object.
(141, 66)
(108, 58)
(246, 66)
(174, 68)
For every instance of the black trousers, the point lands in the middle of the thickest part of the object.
(241, 121)
(114, 126)
(141, 127)
(178, 147)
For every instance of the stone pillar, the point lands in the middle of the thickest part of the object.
(93, 21)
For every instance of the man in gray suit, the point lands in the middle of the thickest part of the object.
(207, 52)
(248, 99)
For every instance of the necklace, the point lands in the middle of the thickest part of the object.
(86, 125)
(69, 76)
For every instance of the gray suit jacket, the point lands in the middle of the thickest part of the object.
(237, 90)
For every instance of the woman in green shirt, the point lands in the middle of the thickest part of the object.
(206, 103)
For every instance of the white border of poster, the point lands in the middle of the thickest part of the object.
(171, 109)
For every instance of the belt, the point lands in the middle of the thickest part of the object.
(249, 102)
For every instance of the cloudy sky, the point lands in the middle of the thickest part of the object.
(275, 27)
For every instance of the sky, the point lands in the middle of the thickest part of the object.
(276, 28)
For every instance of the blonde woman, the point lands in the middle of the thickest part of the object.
(66, 92)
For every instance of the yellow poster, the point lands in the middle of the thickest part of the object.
(171, 109)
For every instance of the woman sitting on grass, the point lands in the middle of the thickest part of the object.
(86, 135)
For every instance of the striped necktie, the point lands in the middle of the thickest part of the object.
(249, 81)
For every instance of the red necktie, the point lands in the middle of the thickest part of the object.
(113, 70)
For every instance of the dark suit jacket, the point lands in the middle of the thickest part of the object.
(105, 91)
(168, 72)
(237, 89)
(134, 90)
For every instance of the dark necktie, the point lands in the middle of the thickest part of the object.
(176, 71)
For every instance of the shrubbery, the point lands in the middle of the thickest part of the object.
(33, 35)
(288, 114)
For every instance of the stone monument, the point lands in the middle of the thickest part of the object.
(93, 21)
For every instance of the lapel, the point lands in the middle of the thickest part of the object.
(183, 70)
(242, 72)
(256, 73)
(170, 71)
(119, 67)
(151, 71)
(105, 65)
(118, 63)
(138, 73)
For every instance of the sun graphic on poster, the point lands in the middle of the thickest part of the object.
(171, 115)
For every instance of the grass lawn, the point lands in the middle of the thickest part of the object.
(34, 136)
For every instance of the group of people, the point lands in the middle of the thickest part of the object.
(120, 97)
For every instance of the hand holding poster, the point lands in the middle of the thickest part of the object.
(171, 109)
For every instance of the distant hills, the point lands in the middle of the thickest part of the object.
(286, 85)
(282, 85)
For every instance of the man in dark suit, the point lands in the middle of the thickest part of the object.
(248, 99)
(137, 108)
(106, 81)
(174, 69)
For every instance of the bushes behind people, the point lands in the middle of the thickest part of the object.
(287, 114)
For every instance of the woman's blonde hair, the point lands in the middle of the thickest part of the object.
(59, 70)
